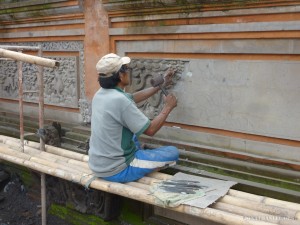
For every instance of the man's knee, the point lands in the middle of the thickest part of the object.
(174, 151)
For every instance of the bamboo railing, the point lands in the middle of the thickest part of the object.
(235, 207)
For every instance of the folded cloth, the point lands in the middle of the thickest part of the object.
(172, 193)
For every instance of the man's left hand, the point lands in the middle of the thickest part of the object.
(168, 76)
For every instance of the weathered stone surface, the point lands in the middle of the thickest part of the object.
(60, 83)
(258, 97)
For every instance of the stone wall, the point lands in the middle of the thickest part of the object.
(237, 61)
(59, 27)
(236, 80)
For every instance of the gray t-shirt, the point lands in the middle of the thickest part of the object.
(115, 118)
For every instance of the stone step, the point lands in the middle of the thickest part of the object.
(76, 136)
(9, 125)
(212, 162)
(13, 132)
(16, 121)
(33, 121)
(17, 126)
(241, 165)
(233, 172)
(86, 130)
(194, 149)
(71, 141)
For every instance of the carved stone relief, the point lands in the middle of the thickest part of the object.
(85, 110)
(61, 87)
(89, 201)
(142, 72)
(8, 82)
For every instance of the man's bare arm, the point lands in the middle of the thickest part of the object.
(159, 120)
(144, 94)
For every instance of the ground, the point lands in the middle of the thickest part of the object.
(18, 208)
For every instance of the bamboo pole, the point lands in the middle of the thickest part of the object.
(160, 176)
(6, 150)
(272, 210)
(139, 185)
(40, 79)
(28, 58)
(249, 214)
(60, 151)
(148, 180)
(76, 158)
(263, 199)
(51, 157)
(20, 47)
(20, 84)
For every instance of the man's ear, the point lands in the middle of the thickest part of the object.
(121, 75)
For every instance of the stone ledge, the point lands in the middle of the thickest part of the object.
(185, 6)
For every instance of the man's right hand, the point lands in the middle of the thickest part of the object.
(170, 101)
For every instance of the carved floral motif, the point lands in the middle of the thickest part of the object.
(142, 72)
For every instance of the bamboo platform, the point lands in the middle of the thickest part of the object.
(235, 207)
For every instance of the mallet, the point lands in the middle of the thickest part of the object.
(158, 81)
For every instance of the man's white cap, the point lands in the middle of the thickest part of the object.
(111, 63)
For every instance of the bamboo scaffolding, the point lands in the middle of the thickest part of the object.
(41, 62)
(129, 191)
(28, 58)
(229, 209)
(60, 155)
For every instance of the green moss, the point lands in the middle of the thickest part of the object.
(75, 217)
(32, 10)
(25, 174)
(130, 215)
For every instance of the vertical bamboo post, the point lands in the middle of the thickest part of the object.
(20, 83)
(40, 62)
(42, 143)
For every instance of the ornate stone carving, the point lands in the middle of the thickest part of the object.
(63, 88)
(143, 70)
(90, 201)
(60, 84)
(86, 110)
(8, 79)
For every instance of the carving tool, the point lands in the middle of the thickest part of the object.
(158, 81)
